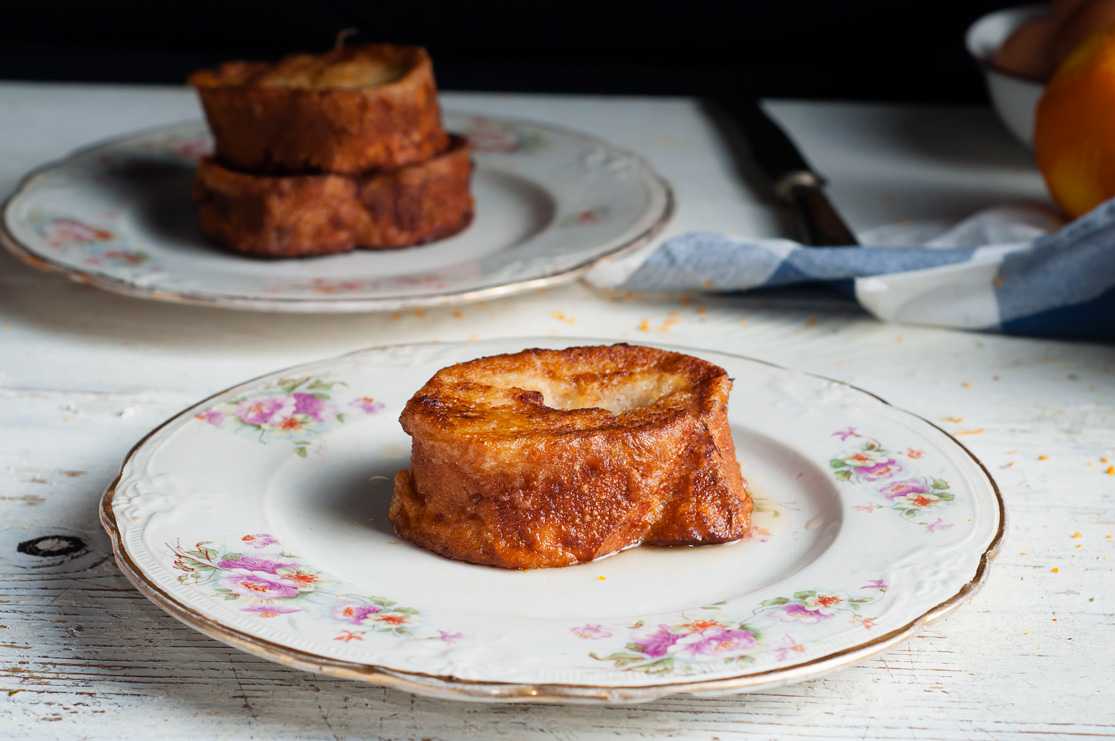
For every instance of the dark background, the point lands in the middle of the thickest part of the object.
(850, 49)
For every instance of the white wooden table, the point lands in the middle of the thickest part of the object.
(84, 374)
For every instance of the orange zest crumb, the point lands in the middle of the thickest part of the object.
(966, 385)
(561, 316)
(644, 326)
(1110, 470)
(1043, 457)
(973, 431)
(457, 313)
(601, 578)
(1055, 570)
(1077, 535)
(953, 420)
(671, 319)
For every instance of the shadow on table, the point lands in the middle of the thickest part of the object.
(50, 303)
(161, 193)
(919, 129)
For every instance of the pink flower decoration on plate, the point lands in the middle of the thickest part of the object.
(723, 640)
(212, 416)
(367, 404)
(846, 433)
(355, 612)
(659, 642)
(259, 540)
(257, 586)
(193, 149)
(488, 136)
(591, 631)
(450, 636)
(64, 231)
(260, 411)
(252, 563)
(938, 524)
(801, 613)
(308, 404)
(270, 611)
(901, 489)
(881, 470)
(301, 578)
(788, 648)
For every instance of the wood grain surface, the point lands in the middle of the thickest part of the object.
(83, 375)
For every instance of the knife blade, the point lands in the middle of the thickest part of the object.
(793, 180)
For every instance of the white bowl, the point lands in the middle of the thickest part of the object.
(1014, 97)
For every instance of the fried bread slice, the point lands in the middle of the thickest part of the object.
(554, 457)
(347, 111)
(306, 215)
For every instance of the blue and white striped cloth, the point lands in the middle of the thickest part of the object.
(1012, 270)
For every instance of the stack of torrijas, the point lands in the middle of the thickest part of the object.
(318, 154)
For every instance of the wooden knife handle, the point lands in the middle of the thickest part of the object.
(820, 223)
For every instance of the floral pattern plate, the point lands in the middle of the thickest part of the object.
(259, 518)
(549, 204)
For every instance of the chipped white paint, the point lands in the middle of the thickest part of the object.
(82, 654)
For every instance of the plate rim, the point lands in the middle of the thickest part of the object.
(449, 687)
(338, 305)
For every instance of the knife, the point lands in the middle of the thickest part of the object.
(794, 182)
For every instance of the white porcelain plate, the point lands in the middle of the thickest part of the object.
(259, 517)
(549, 204)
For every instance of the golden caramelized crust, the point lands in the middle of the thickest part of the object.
(347, 111)
(343, 68)
(304, 215)
(555, 457)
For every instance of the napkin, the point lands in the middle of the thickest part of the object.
(1017, 270)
